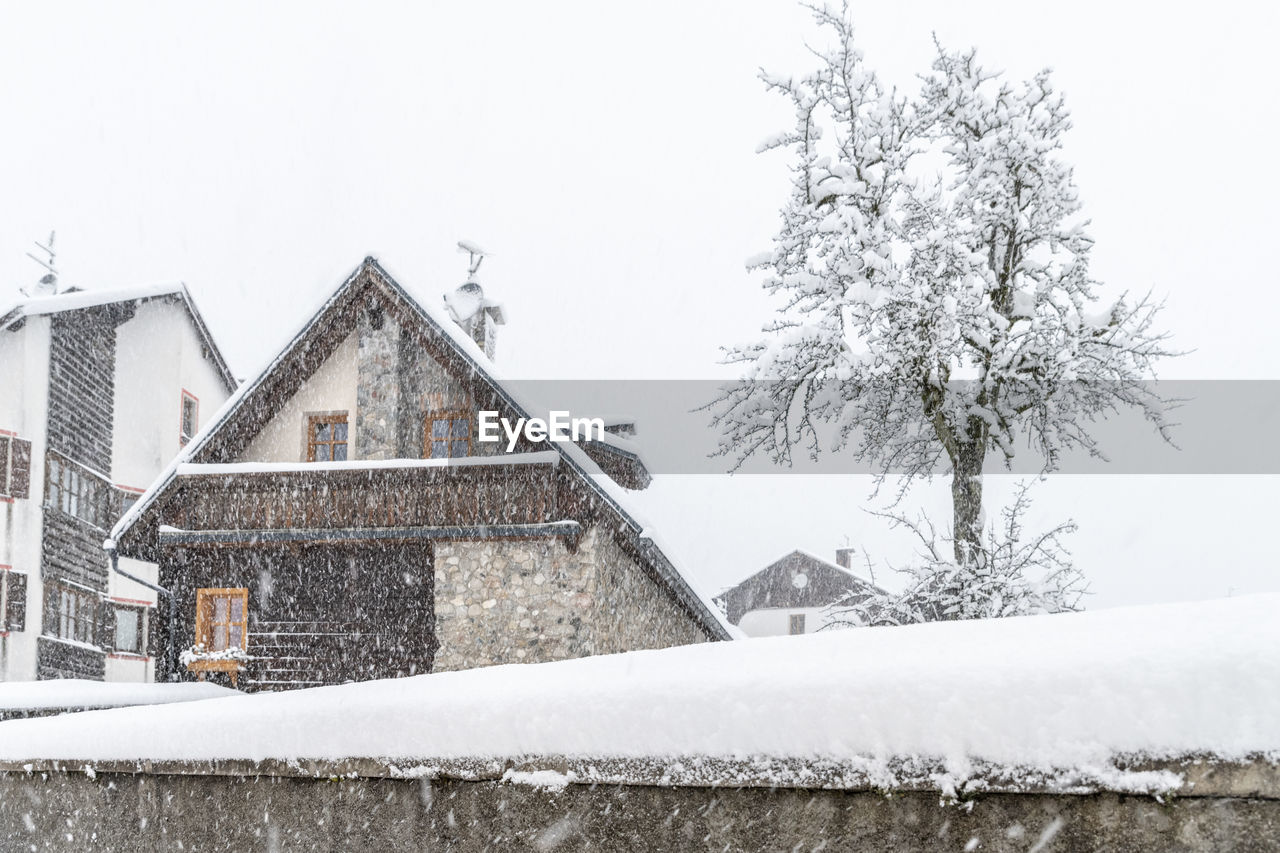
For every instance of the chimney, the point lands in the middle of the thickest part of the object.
(844, 557)
(478, 317)
(46, 286)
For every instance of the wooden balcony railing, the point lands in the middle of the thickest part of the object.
(374, 497)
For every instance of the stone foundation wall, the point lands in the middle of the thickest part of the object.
(73, 812)
(531, 601)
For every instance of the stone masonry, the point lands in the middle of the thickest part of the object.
(397, 384)
(377, 386)
(512, 601)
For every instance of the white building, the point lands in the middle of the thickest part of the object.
(799, 593)
(98, 391)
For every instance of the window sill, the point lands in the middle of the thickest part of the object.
(138, 656)
(215, 666)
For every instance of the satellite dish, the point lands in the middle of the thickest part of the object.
(477, 255)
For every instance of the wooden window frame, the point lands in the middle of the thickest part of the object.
(428, 422)
(205, 598)
(183, 437)
(205, 625)
(331, 418)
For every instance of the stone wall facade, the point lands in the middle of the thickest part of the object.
(74, 812)
(398, 382)
(531, 601)
(377, 385)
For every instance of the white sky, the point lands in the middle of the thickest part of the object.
(605, 154)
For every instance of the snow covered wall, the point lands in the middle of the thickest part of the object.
(985, 734)
(1063, 702)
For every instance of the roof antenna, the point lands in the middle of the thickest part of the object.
(477, 257)
(48, 284)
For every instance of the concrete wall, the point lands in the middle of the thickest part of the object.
(159, 355)
(776, 621)
(57, 811)
(532, 601)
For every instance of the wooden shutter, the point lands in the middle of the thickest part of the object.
(204, 616)
(106, 628)
(155, 637)
(20, 469)
(15, 608)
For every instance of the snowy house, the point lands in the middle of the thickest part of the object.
(99, 390)
(342, 520)
(793, 595)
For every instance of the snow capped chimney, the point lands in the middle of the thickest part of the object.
(467, 306)
(844, 557)
(46, 286)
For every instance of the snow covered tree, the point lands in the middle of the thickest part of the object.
(934, 277)
(1015, 576)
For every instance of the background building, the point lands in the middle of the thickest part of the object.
(794, 595)
(98, 391)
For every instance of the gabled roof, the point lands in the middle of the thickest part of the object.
(79, 299)
(813, 558)
(241, 416)
(822, 582)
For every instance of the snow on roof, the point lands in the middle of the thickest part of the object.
(540, 457)
(80, 693)
(1067, 694)
(604, 485)
(75, 300)
(812, 556)
(829, 564)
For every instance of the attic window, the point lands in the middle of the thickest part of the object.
(189, 417)
(448, 435)
(327, 437)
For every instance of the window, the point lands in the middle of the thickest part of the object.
(448, 434)
(222, 618)
(130, 629)
(327, 437)
(78, 492)
(75, 611)
(188, 421)
(797, 623)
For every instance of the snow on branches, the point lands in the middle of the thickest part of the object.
(1014, 576)
(933, 272)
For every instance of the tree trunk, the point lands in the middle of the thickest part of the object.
(966, 502)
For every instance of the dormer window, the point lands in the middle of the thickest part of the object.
(327, 437)
(188, 419)
(448, 435)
